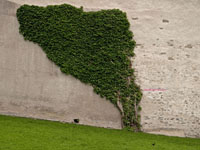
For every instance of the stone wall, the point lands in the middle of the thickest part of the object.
(167, 61)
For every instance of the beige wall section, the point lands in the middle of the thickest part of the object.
(167, 56)
(32, 86)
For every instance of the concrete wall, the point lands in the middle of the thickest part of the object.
(167, 33)
(32, 86)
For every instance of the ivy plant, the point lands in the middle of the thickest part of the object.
(94, 47)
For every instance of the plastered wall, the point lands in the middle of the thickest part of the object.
(32, 86)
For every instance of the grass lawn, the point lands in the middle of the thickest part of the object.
(29, 134)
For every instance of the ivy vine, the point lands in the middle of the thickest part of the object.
(94, 47)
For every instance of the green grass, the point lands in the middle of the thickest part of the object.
(29, 134)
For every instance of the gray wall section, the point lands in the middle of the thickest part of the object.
(32, 86)
(167, 33)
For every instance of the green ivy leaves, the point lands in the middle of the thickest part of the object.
(94, 47)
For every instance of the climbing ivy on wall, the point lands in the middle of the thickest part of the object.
(94, 47)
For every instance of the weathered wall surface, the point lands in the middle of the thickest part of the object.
(167, 57)
(32, 86)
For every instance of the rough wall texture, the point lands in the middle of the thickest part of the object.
(167, 58)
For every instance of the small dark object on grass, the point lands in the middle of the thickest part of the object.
(154, 144)
(76, 120)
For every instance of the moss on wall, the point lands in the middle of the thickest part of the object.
(94, 47)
